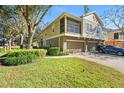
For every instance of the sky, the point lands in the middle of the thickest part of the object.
(76, 10)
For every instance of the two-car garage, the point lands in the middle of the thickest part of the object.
(81, 45)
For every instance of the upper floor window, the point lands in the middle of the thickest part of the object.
(89, 27)
(62, 25)
(73, 26)
(116, 35)
(98, 29)
(121, 35)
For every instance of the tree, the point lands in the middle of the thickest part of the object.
(12, 24)
(86, 9)
(33, 15)
(115, 16)
(10, 30)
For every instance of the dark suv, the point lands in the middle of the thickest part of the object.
(111, 50)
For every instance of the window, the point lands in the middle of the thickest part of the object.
(62, 25)
(121, 35)
(109, 47)
(116, 36)
(98, 28)
(73, 26)
(89, 27)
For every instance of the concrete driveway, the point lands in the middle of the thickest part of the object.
(113, 61)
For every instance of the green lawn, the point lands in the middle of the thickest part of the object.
(67, 72)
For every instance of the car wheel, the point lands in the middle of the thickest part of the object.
(120, 53)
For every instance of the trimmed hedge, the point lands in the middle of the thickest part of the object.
(24, 56)
(54, 51)
(22, 52)
(19, 60)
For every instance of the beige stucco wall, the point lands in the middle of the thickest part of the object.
(52, 30)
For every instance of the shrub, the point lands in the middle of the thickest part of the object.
(54, 51)
(22, 52)
(23, 56)
(65, 52)
(20, 60)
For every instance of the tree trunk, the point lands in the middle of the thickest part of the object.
(9, 43)
(30, 39)
(22, 41)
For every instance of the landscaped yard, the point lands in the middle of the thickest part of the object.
(67, 72)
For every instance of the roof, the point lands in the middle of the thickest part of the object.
(112, 30)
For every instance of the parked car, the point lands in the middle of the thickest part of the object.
(111, 50)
